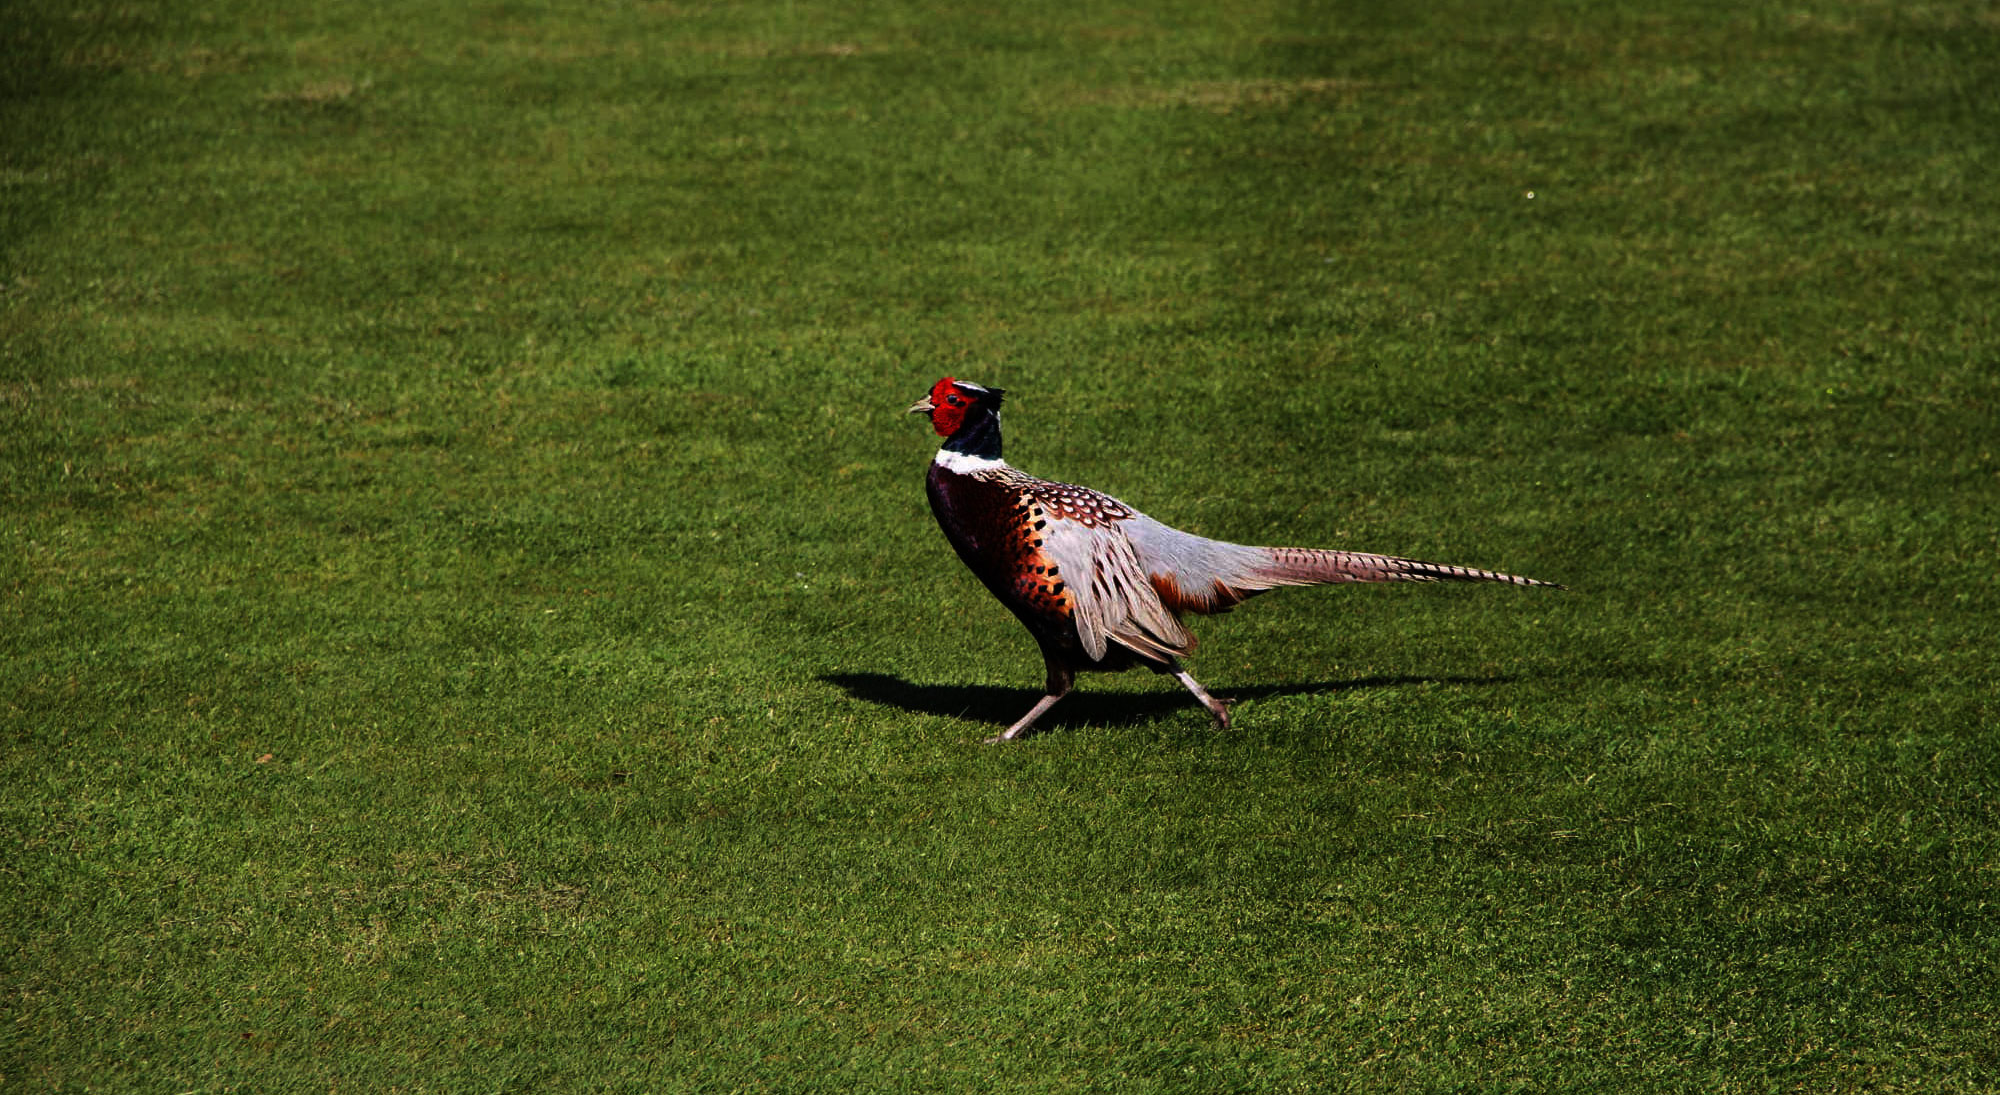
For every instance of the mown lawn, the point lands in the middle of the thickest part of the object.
(471, 621)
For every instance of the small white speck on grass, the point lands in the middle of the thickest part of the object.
(1530, 195)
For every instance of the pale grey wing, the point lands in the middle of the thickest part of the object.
(1114, 599)
(1194, 573)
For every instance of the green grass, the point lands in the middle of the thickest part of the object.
(471, 622)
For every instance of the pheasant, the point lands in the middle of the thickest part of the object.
(1101, 586)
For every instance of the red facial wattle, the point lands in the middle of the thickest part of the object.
(948, 407)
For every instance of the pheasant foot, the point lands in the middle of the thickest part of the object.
(1026, 724)
(1215, 707)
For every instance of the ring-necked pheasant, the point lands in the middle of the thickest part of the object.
(1100, 585)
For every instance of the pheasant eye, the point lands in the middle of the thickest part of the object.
(956, 401)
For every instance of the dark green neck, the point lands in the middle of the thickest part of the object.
(978, 435)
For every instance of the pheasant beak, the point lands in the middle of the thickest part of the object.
(924, 405)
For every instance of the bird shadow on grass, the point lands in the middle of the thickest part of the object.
(1001, 706)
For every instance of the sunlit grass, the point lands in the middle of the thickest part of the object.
(471, 619)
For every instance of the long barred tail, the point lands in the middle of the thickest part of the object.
(1195, 574)
(1312, 566)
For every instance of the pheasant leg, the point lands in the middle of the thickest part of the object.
(1215, 706)
(1027, 721)
(1060, 678)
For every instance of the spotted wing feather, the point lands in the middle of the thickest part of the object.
(1082, 534)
